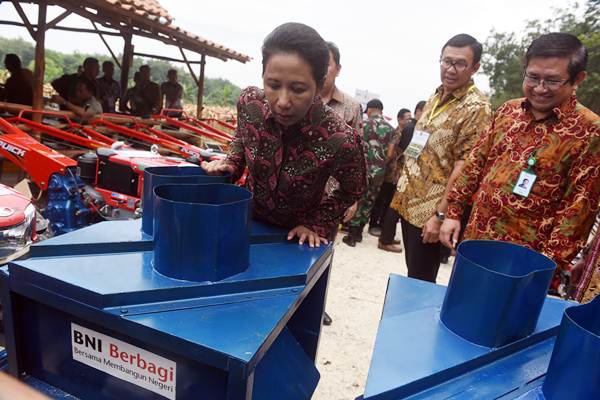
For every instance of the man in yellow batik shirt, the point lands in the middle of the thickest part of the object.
(452, 120)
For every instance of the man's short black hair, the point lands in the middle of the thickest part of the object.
(12, 61)
(145, 66)
(402, 112)
(300, 39)
(107, 63)
(335, 52)
(562, 45)
(172, 71)
(89, 61)
(464, 40)
(420, 106)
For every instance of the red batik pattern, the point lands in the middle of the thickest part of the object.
(289, 167)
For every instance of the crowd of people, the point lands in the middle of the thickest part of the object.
(528, 173)
(86, 94)
(144, 98)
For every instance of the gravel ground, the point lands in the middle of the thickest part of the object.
(355, 300)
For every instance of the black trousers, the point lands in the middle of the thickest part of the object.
(384, 198)
(388, 226)
(422, 259)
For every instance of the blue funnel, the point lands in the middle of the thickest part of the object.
(154, 176)
(574, 371)
(201, 232)
(496, 292)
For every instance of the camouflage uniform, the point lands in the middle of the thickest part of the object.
(377, 134)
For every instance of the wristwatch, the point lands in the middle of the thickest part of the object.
(440, 215)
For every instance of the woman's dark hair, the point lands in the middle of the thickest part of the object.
(335, 52)
(302, 40)
(562, 45)
(464, 40)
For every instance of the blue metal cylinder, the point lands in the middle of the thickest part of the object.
(154, 176)
(496, 292)
(201, 232)
(574, 371)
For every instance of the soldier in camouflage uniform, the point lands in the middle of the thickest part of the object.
(377, 134)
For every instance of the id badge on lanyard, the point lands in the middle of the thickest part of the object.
(526, 179)
(417, 144)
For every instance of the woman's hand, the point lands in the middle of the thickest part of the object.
(304, 234)
(217, 167)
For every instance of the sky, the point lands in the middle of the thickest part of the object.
(389, 48)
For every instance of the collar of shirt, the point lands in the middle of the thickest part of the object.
(560, 112)
(308, 120)
(458, 93)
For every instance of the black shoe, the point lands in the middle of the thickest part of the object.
(327, 319)
(349, 240)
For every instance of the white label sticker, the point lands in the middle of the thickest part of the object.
(417, 144)
(124, 361)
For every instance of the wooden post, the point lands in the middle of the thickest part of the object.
(40, 63)
(199, 106)
(127, 62)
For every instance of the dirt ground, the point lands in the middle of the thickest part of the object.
(355, 301)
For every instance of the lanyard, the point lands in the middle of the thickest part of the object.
(433, 112)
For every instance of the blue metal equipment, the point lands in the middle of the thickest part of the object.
(111, 322)
(65, 209)
(136, 235)
(574, 369)
(489, 335)
(155, 176)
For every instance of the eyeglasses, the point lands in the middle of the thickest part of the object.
(550, 84)
(459, 65)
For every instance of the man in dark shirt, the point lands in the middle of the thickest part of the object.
(149, 93)
(172, 91)
(18, 87)
(65, 85)
(109, 90)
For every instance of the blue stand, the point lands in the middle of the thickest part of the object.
(251, 335)
(489, 335)
(417, 357)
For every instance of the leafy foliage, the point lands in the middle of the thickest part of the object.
(504, 51)
(219, 92)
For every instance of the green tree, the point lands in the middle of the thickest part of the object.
(504, 51)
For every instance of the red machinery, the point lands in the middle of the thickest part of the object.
(112, 174)
(144, 135)
(207, 134)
